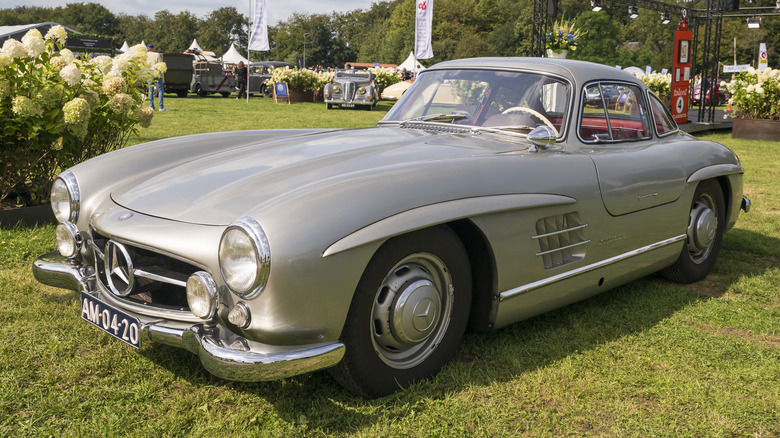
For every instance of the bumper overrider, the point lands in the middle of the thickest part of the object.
(221, 352)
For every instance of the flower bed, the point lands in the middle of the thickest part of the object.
(57, 110)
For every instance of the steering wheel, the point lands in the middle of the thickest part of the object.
(533, 112)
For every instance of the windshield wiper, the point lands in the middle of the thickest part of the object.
(438, 117)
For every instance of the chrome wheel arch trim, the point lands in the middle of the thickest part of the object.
(518, 291)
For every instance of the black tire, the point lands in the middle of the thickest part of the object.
(328, 106)
(706, 225)
(199, 91)
(181, 93)
(225, 94)
(401, 328)
(267, 91)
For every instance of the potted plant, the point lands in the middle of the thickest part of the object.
(562, 39)
(301, 83)
(754, 104)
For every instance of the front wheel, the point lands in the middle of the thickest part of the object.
(706, 225)
(408, 314)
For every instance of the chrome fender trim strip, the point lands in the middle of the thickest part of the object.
(512, 293)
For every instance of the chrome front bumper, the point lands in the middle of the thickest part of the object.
(222, 353)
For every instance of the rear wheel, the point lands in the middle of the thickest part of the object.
(408, 314)
(706, 225)
(267, 91)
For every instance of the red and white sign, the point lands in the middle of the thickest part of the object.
(762, 61)
(423, 30)
(681, 74)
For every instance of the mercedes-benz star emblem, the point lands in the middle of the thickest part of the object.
(119, 269)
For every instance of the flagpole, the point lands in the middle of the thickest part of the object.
(248, 38)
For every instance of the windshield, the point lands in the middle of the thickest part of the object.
(518, 101)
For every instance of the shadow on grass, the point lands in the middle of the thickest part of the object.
(501, 356)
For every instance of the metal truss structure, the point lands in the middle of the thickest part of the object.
(705, 23)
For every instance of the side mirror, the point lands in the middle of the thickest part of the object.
(541, 137)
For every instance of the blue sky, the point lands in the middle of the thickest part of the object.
(277, 9)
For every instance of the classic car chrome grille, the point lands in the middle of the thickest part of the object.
(561, 239)
(349, 91)
(141, 276)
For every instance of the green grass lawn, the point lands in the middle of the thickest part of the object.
(650, 358)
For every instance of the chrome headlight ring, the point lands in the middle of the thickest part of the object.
(245, 257)
(65, 197)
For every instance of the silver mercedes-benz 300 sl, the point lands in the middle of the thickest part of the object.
(493, 191)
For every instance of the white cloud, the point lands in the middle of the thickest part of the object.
(277, 9)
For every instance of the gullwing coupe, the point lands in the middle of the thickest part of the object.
(494, 190)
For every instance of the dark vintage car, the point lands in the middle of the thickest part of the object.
(351, 89)
(260, 73)
(494, 190)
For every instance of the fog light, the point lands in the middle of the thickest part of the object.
(202, 295)
(240, 315)
(68, 239)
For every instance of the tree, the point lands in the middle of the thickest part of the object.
(221, 28)
(89, 18)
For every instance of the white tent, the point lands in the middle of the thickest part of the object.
(233, 57)
(636, 71)
(411, 64)
(125, 47)
(194, 46)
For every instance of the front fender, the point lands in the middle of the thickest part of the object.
(434, 214)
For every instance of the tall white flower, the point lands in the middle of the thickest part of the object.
(103, 63)
(14, 49)
(71, 75)
(58, 34)
(22, 106)
(33, 42)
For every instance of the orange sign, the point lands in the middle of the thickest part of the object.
(681, 73)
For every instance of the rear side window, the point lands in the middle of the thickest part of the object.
(664, 123)
(613, 112)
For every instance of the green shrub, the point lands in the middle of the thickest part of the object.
(57, 110)
(300, 80)
(385, 77)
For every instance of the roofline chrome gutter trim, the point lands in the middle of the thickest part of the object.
(512, 293)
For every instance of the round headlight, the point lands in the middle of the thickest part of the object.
(336, 90)
(65, 198)
(245, 257)
(68, 239)
(202, 295)
(362, 90)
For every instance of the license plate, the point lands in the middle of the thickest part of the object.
(348, 105)
(116, 323)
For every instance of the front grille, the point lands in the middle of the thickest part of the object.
(561, 239)
(155, 279)
(349, 91)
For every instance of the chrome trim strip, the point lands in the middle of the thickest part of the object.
(585, 269)
(554, 233)
(563, 248)
(158, 277)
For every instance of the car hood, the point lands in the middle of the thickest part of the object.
(218, 188)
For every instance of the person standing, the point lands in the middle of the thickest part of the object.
(241, 73)
(155, 58)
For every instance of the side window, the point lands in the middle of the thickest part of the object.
(614, 112)
(664, 123)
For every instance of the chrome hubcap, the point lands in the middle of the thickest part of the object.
(702, 228)
(411, 310)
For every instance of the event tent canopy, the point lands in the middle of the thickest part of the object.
(233, 57)
(411, 64)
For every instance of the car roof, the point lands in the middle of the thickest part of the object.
(578, 72)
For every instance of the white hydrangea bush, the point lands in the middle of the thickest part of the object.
(754, 94)
(385, 77)
(57, 110)
(660, 84)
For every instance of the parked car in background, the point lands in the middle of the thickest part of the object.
(259, 73)
(350, 89)
(211, 76)
(494, 190)
(178, 77)
(395, 91)
(713, 92)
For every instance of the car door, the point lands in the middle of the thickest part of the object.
(635, 171)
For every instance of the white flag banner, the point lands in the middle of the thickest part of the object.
(423, 30)
(259, 38)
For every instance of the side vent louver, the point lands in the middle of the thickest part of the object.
(561, 239)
